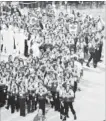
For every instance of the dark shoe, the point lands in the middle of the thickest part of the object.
(95, 66)
(75, 117)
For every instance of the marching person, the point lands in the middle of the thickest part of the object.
(68, 102)
(101, 47)
(97, 53)
(12, 97)
(9, 82)
(55, 94)
(91, 51)
(42, 92)
(60, 89)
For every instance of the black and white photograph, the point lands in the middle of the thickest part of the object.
(52, 60)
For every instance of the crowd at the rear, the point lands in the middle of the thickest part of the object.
(46, 53)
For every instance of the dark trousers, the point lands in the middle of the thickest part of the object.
(100, 52)
(68, 105)
(53, 96)
(22, 106)
(12, 103)
(62, 111)
(42, 105)
(86, 50)
(8, 103)
(29, 103)
(28, 106)
(92, 56)
(1, 47)
(57, 104)
(34, 104)
(26, 49)
(66, 108)
(75, 87)
(12, 108)
(81, 61)
(56, 101)
(2, 97)
(96, 57)
(52, 103)
(72, 108)
(17, 104)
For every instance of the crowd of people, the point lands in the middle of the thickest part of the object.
(54, 47)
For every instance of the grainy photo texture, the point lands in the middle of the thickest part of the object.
(52, 60)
